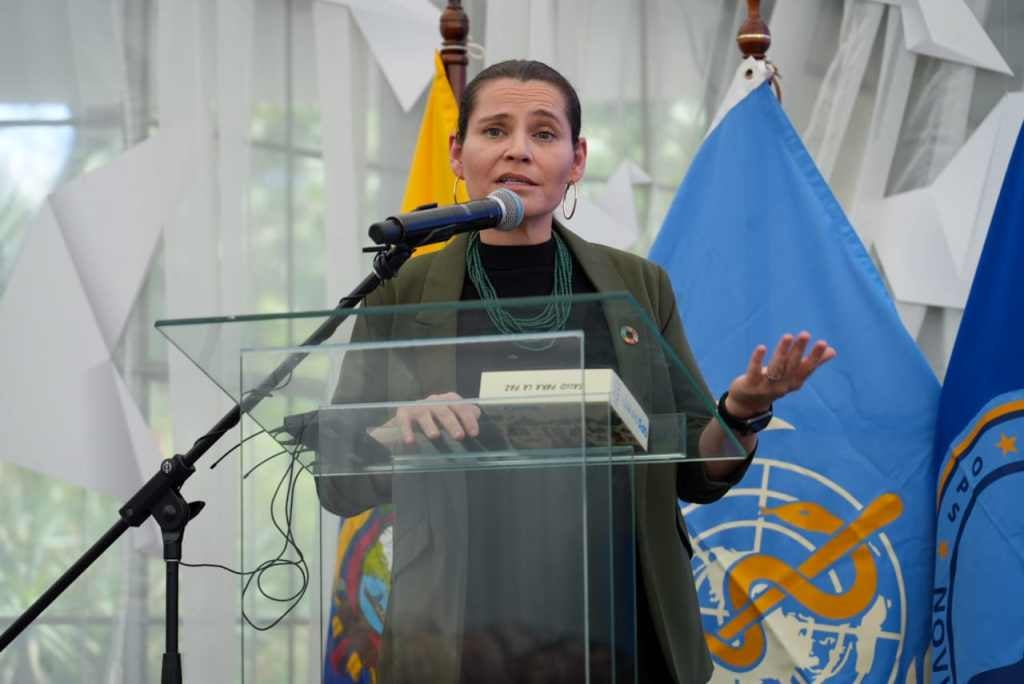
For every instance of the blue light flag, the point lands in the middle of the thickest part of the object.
(817, 566)
(978, 600)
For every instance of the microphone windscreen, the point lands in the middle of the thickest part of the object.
(513, 208)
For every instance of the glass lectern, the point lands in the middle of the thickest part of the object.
(487, 486)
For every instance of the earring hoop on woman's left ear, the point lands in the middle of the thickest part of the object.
(455, 190)
(575, 198)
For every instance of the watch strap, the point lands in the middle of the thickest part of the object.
(743, 426)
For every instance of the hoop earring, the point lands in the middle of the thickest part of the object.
(575, 198)
(455, 190)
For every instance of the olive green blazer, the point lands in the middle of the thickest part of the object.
(663, 545)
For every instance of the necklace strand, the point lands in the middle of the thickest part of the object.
(552, 317)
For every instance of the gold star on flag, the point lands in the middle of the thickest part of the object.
(354, 666)
(943, 549)
(1008, 445)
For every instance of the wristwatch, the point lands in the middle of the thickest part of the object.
(744, 426)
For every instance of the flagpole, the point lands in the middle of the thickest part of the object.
(754, 38)
(454, 31)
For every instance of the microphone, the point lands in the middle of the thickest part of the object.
(503, 209)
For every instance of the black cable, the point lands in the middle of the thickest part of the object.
(272, 457)
(229, 451)
(299, 564)
(289, 541)
(258, 394)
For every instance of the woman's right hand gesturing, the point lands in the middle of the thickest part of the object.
(458, 420)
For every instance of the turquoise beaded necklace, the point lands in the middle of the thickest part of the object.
(552, 317)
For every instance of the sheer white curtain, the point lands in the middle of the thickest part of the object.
(649, 75)
(885, 120)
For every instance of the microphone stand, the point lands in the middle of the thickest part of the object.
(161, 497)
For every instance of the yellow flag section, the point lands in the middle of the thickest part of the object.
(430, 175)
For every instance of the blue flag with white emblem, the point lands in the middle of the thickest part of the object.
(817, 566)
(978, 600)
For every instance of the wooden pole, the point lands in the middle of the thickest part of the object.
(754, 38)
(454, 31)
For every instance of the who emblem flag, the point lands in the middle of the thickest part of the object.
(816, 566)
(978, 600)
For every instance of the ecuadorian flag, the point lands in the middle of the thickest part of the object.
(362, 578)
(431, 179)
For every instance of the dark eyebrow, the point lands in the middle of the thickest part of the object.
(493, 118)
(502, 117)
(546, 114)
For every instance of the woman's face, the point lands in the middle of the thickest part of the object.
(518, 137)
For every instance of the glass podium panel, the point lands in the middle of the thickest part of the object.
(618, 334)
(485, 484)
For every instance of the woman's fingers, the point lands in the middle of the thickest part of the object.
(448, 419)
(790, 364)
(404, 418)
(813, 359)
(422, 419)
(425, 421)
(796, 352)
(457, 420)
(468, 415)
(782, 348)
(820, 353)
(777, 366)
(755, 369)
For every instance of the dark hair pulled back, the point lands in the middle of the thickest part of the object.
(521, 70)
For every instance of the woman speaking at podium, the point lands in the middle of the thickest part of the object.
(519, 128)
